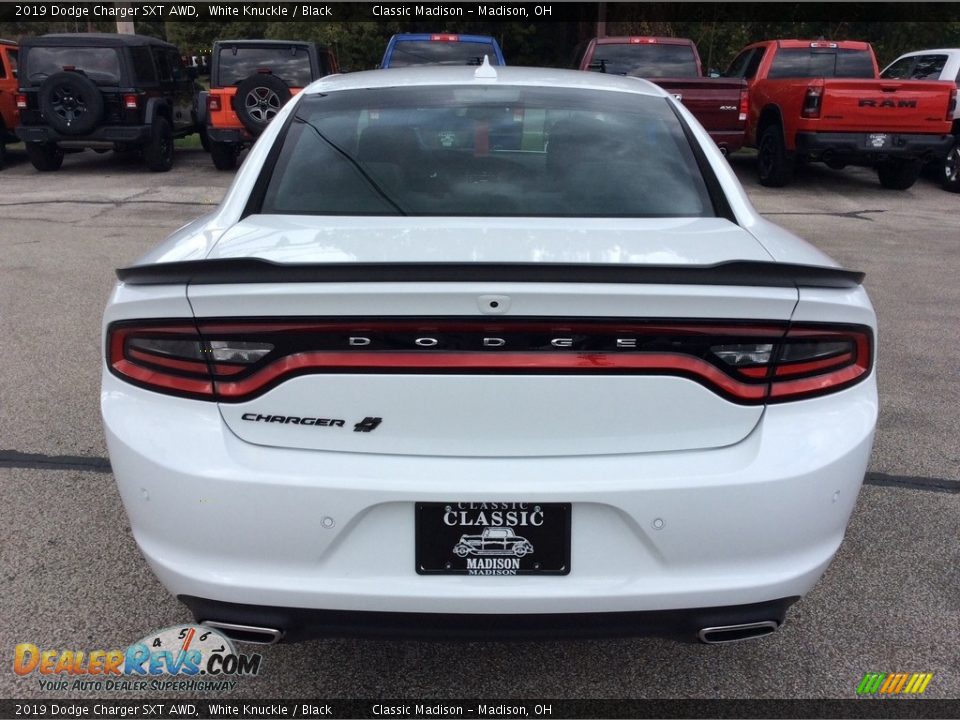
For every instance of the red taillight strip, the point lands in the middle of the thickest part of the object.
(195, 366)
(756, 384)
(800, 368)
(804, 386)
(157, 379)
(479, 361)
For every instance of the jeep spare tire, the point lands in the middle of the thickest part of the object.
(258, 100)
(71, 103)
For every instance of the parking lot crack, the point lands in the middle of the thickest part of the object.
(856, 214)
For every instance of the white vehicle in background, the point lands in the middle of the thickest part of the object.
(943, 64)
(441, 303)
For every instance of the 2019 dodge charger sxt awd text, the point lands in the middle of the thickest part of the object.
(441, 300)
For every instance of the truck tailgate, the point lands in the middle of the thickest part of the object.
(909, 106)
(715, 102)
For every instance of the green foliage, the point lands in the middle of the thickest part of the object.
(360, 45)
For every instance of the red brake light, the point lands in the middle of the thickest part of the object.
(747, 363)
(951, 106)
(213, 103)
(21, 101)
(744, 104)
(812, 100)
(643, 40)
(130, 101)
(445, 38)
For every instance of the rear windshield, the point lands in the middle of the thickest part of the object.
(822, 62)
(486, 151)
(291, 64)
(645, 60)
(102, 65)
(440, 52)
(917, 67)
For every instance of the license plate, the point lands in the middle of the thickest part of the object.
(494, 538)
(876, 141)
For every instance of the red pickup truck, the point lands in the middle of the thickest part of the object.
(720, 104)
(822, 101)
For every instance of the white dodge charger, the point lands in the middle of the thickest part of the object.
(441, 301)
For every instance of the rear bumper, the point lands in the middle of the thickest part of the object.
(728, 140)
(134, 134)
(297, 624)
(230, 521)
(228, 135)
(857, 147)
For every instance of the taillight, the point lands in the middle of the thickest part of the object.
(235, 361)
(213, 103)
(21, 101)
(744, 104)
(130, 101)
(174, 359)
(812, 100)
(951, 106)
(445, 38)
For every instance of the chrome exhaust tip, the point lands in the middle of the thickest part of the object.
(724, 150)
(736, 633)
(246, 633)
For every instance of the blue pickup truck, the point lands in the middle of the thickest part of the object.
(406, 49)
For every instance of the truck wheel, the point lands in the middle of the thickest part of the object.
(72, 103)
(898, 174)
(951, 169)
(45, 156)
(258, 100)
(3, 151)
(158, 152)
(204, 138)
(224, 155)
(774, 165)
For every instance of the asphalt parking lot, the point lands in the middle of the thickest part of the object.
(73, 578)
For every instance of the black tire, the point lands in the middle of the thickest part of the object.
(258, 99)
(204, 138)
(71, 103)
(158, 152)
(3, 150)
(224, 155)
(898, 174)
(950, 177)
(45, 157)
(774, 166)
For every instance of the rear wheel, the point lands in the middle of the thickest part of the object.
(158, 152)
(258, 100)
(774, 166)
(45, 157)
(898, 174)
(71, 103)
(951, 169)
(3, 151)
(224, 155)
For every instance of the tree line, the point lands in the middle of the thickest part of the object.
(360, 45)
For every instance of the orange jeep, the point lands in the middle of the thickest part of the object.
(9, 115)
(250, 80)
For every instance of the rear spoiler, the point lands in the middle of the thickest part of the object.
(255, 270)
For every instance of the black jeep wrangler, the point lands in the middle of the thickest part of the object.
(128, 93)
